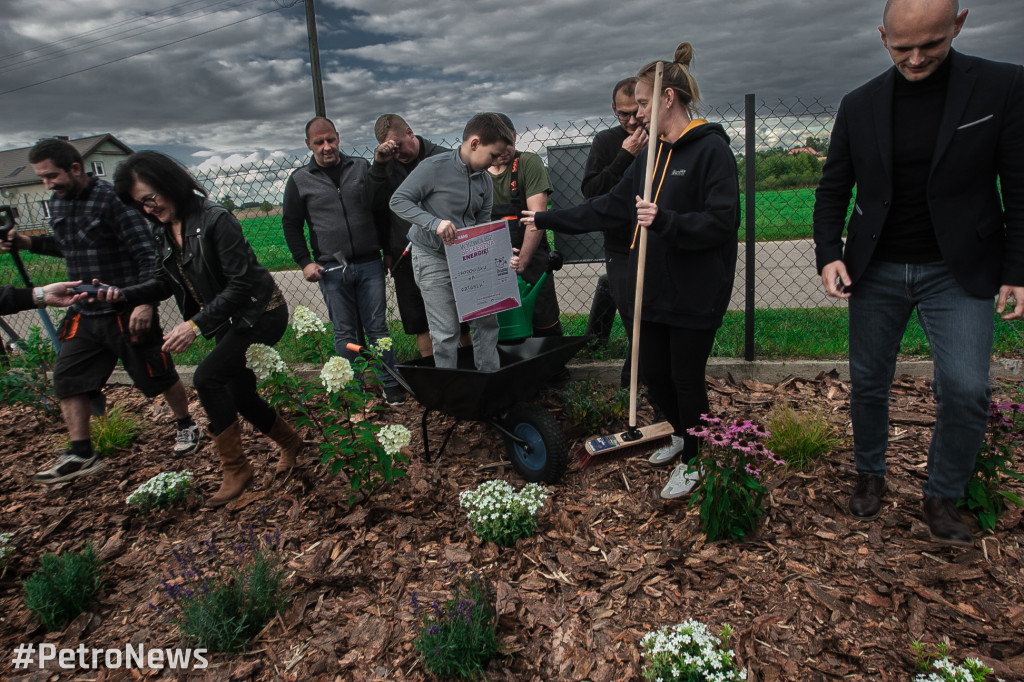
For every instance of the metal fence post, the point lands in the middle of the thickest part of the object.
(750, 204)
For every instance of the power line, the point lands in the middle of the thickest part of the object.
(130, 20)
(152, 49)
(133, 32)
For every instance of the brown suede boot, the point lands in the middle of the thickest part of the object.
(291, 444)
(237, 471)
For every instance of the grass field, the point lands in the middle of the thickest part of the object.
(781, 215)
(780, 333)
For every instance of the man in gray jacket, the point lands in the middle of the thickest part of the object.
(344, 252)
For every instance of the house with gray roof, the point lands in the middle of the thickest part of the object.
(22, 189)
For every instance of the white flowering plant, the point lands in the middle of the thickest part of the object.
(337, 405)
(6, 549)
(163, 491)
(312, 337)
(934, 665)
(499, 514)
(688, 652)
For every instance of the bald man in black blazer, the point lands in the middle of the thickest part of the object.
(932, 230)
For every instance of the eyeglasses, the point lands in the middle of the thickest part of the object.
(626, 115)
(149, 201)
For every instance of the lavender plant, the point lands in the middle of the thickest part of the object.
(458, 638)
(688, 652)
(63, 586)
(985, 494)
(734, 459)
(223, 596)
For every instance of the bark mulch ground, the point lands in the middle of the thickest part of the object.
(815, 596)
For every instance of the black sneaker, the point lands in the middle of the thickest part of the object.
(187, 440)
(68, 466)
(394, 395)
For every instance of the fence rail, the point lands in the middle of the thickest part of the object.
(778, 170)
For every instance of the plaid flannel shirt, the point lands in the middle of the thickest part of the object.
(99, 238)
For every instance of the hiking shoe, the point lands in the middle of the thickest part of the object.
(68, 466)
(187, 440)
(664, 456)
(945, 523)
(682, 482)
(394, 395)
(866, 501)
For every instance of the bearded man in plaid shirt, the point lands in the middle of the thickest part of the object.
(100, 239)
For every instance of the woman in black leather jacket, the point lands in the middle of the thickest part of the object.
(223, 292)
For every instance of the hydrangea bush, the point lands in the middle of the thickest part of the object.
(688, 652)
(311, 335)
(499, 514)
(163, 491)
(337, 407)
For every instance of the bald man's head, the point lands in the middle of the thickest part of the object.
(919, 33)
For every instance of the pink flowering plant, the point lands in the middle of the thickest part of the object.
(995, 463)
(734, 460)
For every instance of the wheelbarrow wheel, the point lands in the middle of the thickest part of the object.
(548, 454)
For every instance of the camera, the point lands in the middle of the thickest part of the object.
(8, 216)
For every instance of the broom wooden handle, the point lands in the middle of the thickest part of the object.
(652, 148)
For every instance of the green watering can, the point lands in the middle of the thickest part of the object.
(517, 323)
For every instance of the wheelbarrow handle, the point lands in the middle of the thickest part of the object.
(362, 350)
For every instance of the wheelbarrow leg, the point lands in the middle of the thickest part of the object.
(426, 442)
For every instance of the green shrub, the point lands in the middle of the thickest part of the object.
(222, 600)
(459, 637)
(24, 379)
(114, 431)
(588, 404)
(799, 437)
(63, 586)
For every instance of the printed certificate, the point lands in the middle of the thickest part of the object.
(482, 279)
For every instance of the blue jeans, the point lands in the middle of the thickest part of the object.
(435, 283)
(959, 329)
(356, 302)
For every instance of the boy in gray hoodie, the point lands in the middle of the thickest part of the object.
(444, 193)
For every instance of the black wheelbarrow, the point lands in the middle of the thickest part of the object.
(535, 442)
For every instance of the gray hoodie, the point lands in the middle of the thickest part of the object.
(442, 188)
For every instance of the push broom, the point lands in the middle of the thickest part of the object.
(634, 435)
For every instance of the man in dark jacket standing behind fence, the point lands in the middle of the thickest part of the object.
(398, 153)
(924, 143)
(327, 195)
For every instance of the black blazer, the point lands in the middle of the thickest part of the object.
(981, 136)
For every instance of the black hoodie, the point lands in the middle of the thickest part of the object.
(691, 245)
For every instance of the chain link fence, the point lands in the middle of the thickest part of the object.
(782, 145)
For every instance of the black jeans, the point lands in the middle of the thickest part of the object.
(226, 387)
(673, 363)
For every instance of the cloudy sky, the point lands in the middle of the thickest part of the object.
(215, 81)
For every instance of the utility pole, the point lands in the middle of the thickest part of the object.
(314, 60)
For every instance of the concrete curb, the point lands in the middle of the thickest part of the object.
(766, 371)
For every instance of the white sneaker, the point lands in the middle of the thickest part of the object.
(187, 440)
(664, 456)
(682, 482)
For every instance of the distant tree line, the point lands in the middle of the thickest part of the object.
(778, 168)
